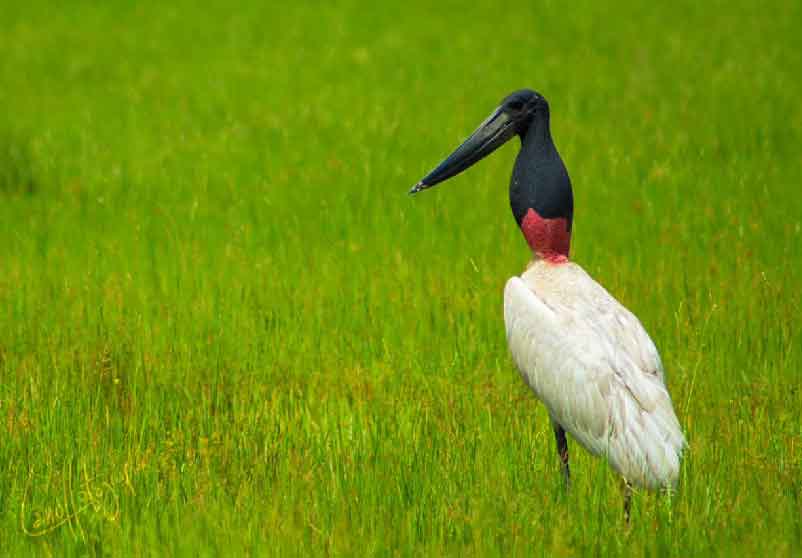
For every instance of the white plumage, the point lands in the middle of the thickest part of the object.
(589, 360)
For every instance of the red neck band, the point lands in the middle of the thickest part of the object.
(549, 239)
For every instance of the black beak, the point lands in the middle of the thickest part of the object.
(489, 136)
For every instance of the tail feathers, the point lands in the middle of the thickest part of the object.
(647, 450)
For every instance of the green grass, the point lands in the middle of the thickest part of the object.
(225, 329)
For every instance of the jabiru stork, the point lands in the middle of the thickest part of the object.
(583, 354)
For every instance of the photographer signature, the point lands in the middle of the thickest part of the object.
(89, 495)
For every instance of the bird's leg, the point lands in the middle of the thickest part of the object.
(562, 450)
(627, 488)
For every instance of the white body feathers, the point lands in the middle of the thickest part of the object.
(589, 360)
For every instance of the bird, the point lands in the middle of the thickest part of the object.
(586, 357)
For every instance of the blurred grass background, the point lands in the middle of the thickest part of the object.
(226, 330)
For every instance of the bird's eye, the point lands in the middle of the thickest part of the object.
(516, 105)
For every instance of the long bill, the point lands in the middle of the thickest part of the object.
(489, 136)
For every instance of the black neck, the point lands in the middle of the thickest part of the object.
(539, 178)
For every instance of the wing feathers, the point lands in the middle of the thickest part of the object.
(595, 368)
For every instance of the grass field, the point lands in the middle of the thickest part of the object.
(225, 329)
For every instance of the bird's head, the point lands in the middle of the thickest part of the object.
(514, 116)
